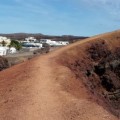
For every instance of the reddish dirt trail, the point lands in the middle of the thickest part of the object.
(41, 89)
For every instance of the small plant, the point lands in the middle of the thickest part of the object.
(15, 44)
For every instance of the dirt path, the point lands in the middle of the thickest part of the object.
(41, 89)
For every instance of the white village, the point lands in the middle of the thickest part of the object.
(29, 43)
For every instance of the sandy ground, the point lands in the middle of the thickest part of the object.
(41, 89)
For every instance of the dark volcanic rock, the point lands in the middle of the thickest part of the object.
(98, 66)
(3, 63)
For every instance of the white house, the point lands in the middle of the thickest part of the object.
(48, 41)
(38, 45)
(45, 41)
(63, 42)
(54, 43)
(5, 50)
(30, 39)
(2, 51)
(12, 50)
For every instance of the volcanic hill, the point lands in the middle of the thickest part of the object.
(78, 82)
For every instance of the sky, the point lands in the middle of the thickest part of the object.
(60, 17)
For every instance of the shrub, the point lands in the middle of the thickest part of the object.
(15, 44)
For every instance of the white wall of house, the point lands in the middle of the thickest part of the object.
(54, 43)
(3, 51)
(45, 40)
(12, 50)
(63, 42)
(38, 45)
(30, 39)
(48, 41)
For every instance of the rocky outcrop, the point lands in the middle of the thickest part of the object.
(3, 63)
(97, 64)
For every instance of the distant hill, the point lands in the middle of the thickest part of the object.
(21, 36)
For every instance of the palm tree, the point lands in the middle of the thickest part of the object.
(3, 43)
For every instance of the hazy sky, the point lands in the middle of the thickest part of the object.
(59, 17)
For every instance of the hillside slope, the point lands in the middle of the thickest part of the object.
(65, 84)
(96, 62)
(3, 63)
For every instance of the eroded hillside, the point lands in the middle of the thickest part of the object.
(3, 63)
(96, 62)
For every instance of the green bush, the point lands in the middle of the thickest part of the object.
(15, 44)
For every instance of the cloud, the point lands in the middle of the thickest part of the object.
(110, 6)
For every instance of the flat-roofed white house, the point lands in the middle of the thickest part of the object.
(30, 39)
(45, 40)
(54, 43)
(3, 51)
(12, 50)
(6, 50)
(63, 42)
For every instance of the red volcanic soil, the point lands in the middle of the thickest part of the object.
(77, 82)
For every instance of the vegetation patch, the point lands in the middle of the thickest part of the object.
(3, 63)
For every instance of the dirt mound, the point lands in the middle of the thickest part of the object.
(3, 63)
(96, 62)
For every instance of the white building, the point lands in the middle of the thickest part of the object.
(63, 42)
(5, 39)
(30, 39)
(5, 50)
(12, 50)
(45, 40)
(54, 43)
